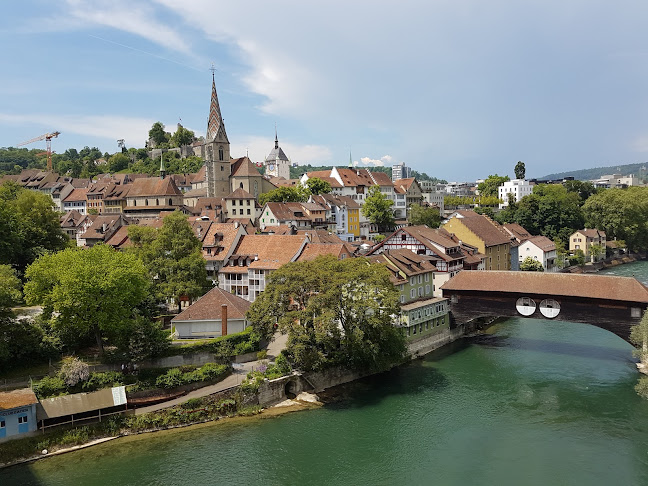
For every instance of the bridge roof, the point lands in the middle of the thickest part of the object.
(604, 287)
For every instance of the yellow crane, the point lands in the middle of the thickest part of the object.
(48, 139)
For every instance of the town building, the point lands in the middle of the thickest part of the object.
(277, 163)
(584, 240)
(342, 214)
(76, 201)
(409, 188)
(241, 204)
(17, 413)
(485, 234)
(518, 187)
(413, 275)
(255, 257)
(400, 171)
(149, 197)
(540, 249)
(215, 314)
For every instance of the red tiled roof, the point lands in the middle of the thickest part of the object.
(243, 167)
(240, 194)
(208, 307)
(591, 233)
(271, 251)
(76, 195)
(625, 289)
(313, 250)
(153, 186)
(542, 242)
(484, 229)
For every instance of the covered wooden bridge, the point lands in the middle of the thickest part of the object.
(609, 302)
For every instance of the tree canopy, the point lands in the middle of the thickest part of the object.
(419, 215)
(378, 209)
(520, 170)
(490, 186)
(173, 257)
(335, 312)
(29, 226)
(157, 133)
(181, 137)
(285, 194)
(88, 292)
(317, 186)
(531, 265)
(622, 214)
(550, 211)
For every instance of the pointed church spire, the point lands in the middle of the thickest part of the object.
(162, 168)
(215, 123)
(350, 160)
(276, 137)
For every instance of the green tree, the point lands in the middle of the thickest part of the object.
(531, 265)
(622, 214)
(182, 137)
(157, 133)
(378, 209)
(583, 189)
(596, 251)
(173, 257)
(335, 312)
(284, 194)
(419, 215)
(490, 186)
(29, 226)
(317, 186)
(550, 211)
(10, 293)
(520, 170)
(118, 161)
(88, 293)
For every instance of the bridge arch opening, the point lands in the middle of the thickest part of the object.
(525, 306)
(549, 308)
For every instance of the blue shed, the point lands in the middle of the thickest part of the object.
(17, 413)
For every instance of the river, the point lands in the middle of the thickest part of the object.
(533, 402)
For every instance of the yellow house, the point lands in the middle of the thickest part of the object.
(354, 221)
(584, 239)
(481, 232)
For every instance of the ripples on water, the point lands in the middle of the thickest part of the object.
(537, 402)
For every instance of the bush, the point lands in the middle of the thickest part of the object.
(281, 362)
(211, 371)
(263, 354)
(192, 404)
(244, 347)
(172, 378)
(97, 381)
(50, 386)
(74, 371)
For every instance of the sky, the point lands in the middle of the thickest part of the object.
(458, 89)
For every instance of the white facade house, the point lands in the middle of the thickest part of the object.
(541, 249)
(518, 187)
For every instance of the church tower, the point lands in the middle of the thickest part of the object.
(216, 150)
(277, 163)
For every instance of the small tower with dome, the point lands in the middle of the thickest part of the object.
(277, 164)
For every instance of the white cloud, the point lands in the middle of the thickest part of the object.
(101, 126)
(259, 147)
(135, 18)
(381, 162)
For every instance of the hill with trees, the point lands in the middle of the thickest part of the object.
(640, 170)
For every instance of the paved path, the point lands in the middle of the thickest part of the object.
(231, 381)
(240, 371)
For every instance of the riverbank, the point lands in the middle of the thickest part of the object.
(268, 401)
(300, 403)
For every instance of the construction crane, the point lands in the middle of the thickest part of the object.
(48, 139)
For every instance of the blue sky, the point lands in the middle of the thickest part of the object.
(457, 89)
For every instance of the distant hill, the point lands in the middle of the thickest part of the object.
(640, 170)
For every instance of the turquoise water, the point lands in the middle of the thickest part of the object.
(535, 402)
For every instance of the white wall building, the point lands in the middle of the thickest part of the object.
(517, 187)
(541, 249)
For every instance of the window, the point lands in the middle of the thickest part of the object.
(22, 420)
(248, 202)
(248, 211)
(427, 277)
(420, 327)
(222, 168)
(427, 289)
(402, 299)
(2, 424)
(413, 293)
(420, 291)
(402, 287)
(220, 154)
(413, 281)
(241, 212)
(170, 202)
(403, 237)
(635, 312)
(420, 278)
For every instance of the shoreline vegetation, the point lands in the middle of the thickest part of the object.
(210, 410)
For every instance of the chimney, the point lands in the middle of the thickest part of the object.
(104, 227)
(224, 320)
